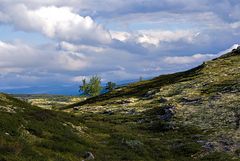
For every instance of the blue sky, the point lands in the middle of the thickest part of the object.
(46, 45)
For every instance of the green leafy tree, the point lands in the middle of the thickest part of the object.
(83, 87)
(93, 88)
(111, 86)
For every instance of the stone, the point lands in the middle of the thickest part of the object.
(169, 112)
(191, 100)
(209, 146)
(88, 156)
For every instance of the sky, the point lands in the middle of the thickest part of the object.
(50, 46)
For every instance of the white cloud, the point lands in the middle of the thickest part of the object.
(156, 37)
(188, 59)
(235, 46)
(19, 58)
(71, 61)
(79, 48)
(60, 23)
(235, 25)
(197, 58)
(79, 78)
(121, 36)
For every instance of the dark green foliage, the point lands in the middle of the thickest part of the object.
(93, 88)
(110, 86)
(186, 148)
(237, 152)
(84, 87)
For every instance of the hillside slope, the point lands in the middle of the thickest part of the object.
(192, 115)
(216, 69)
(30, 133)
(206, 97)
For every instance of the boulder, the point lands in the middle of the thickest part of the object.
(88, 156)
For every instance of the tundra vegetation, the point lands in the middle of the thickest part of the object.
(191, 115)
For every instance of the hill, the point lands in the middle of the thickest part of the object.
(30, 133)
(206, 97)
(191, 115)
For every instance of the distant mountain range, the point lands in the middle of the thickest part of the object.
(69, 89)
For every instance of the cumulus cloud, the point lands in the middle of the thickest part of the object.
(196, 58)
(188, 59)
(156, 37)
(60, 23)
(20, 57)
(66, 62)
(154, 41)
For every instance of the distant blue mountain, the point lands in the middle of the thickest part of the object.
(61, 90)
(69, 89)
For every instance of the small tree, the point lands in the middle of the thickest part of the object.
(93, 88)
(84, 86)
(111, 86)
